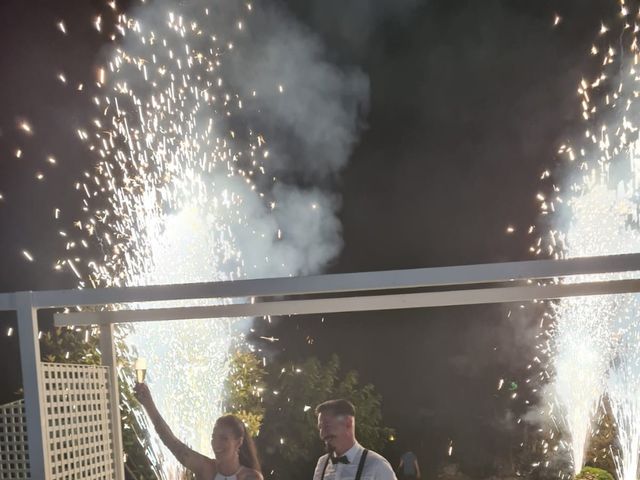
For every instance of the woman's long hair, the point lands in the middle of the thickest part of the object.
(248, 453)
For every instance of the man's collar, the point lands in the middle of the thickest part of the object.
(353, 453)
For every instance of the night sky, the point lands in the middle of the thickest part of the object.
(469, 102)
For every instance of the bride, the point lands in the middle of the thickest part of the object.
(234, 450)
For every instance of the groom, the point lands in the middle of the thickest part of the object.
(347, 459)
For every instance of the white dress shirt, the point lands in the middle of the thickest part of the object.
(376, 467)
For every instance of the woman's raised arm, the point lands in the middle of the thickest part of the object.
(191, 459)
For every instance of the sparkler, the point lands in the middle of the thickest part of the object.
(595, 340)
(182, 186)
(176, 179)
(176, 173)
(182, 190)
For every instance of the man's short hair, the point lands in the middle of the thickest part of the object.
(337, 407)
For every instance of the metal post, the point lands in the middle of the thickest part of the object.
(108, 350)
(39, 464)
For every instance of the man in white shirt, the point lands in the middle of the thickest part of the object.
(347, 459)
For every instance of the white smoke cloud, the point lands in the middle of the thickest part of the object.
(307, 109)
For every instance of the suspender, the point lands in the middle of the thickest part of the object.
(363, 457)
(324, 469)
(361, 465)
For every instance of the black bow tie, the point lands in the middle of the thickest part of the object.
(342, 459)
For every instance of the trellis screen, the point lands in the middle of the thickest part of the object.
(77, 426)
(14, 463)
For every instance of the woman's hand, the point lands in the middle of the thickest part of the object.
(143, 394)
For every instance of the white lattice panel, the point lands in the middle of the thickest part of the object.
(77, 421)
(78, 427)
(14, 462)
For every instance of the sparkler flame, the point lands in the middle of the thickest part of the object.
(175, 179)
(184, 188)
(595, 339)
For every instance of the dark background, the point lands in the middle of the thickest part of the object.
(469, 103)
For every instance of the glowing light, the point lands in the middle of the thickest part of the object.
(25, 127)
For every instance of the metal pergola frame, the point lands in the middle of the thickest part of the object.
(435, 287)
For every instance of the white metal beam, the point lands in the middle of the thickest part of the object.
(356, 304)
(343, 283)
(7, 302)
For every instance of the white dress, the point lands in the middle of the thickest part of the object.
(222, 477)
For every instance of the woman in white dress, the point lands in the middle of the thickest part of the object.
(234, 450)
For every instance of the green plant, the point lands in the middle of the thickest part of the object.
(244, 387)
(593, 473)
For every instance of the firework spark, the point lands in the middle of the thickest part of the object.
(182, 186)
(183, 191)
(594, 340)
(176, 179)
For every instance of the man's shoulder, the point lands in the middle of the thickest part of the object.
(375, 455)
(322, 459)
(320, 466)
(380, 465)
